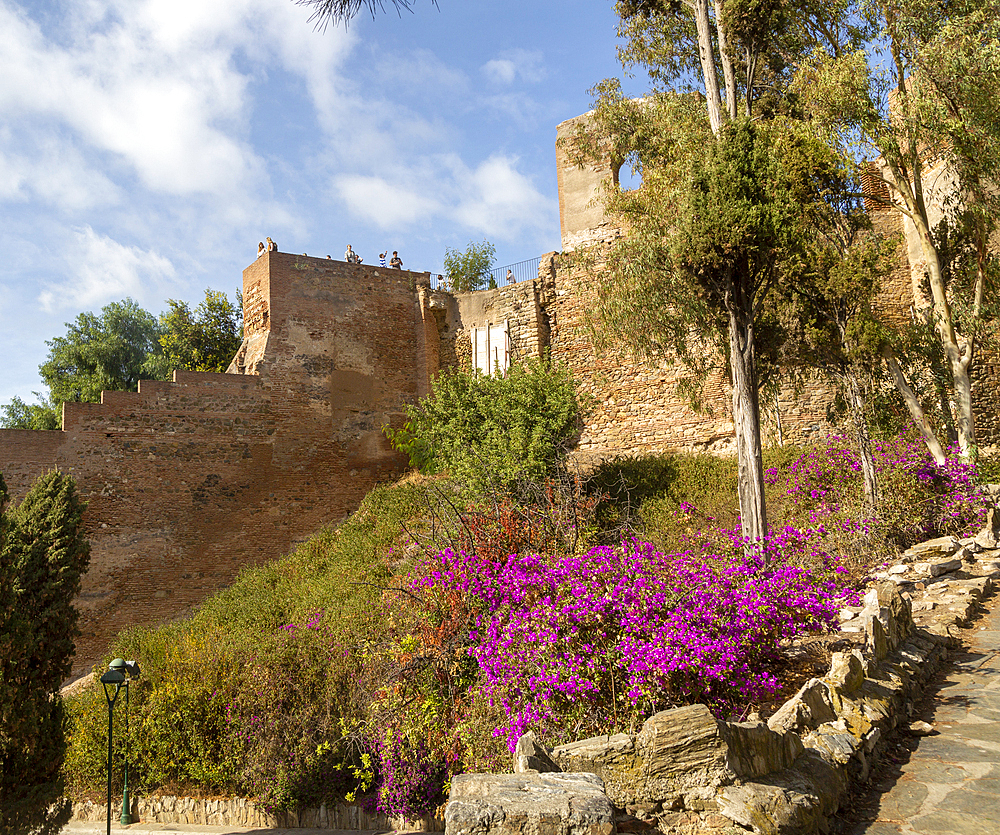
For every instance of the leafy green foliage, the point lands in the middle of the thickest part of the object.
(470, 270)
(667, 497)
(929, 101)
(491, 432)
(112, 351)
(204, 339)
(42, 557)
(107, 351)
(20, 415)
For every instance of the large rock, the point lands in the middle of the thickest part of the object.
(530, 755)
(528, 804)
(678, 759)
(684, 757)
(847, 671)
(896, 614)
(945, 567)
(755, 750)
(612, 758)
(794, 801)
(943, 546)
(811, 707)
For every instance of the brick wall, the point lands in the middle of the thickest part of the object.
(188, 481)
(637, 405)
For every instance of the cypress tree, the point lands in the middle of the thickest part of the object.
(42, 557)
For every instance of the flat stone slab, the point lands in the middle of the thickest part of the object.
(532, 804)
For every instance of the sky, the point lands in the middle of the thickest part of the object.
(146, 146)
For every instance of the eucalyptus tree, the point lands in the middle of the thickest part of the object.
(829, 313)
(922, 99)
(715, 226)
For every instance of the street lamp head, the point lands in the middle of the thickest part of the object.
(132, 668)
(113, 676)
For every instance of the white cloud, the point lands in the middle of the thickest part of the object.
(105, 270)
(383, 202)
(493, 199)
(498, 200)
(53, 169)
(500, 71)
(153, 82)
(513, 64)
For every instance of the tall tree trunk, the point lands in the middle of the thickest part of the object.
(746, 418)
(728, 73)
(913, 404)
(857, 404)
(706, 54)
(958, 360)
(910, 188)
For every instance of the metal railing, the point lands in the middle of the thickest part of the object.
(521, 271)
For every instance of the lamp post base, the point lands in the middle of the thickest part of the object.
(126, 809)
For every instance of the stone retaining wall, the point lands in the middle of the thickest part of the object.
(238, 811)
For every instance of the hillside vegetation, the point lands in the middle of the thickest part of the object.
(422, 636)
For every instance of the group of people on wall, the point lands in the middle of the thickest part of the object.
(351, 257)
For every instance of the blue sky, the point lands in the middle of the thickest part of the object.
(146, 146)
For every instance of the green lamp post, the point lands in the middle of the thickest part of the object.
(120, 673)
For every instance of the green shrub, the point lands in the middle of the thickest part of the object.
(470, 270)
(256, 693)
(492, 432)
(665, 497)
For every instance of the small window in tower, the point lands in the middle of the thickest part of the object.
(491, 348)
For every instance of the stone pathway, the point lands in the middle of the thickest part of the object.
(947, 783)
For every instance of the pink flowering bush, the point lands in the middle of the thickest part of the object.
(578, 643)
(411, 777)
(919, 498)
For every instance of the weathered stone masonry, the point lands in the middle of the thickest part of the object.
(188, 481)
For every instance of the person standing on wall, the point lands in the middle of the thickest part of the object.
(351, 257)
(510, 277)
(396, 261)
(381, 258)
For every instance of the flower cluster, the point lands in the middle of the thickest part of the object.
(411, 777)
(919, 497)
(631, 628)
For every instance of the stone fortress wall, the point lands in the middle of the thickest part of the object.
(191, 480)
(638, 408)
